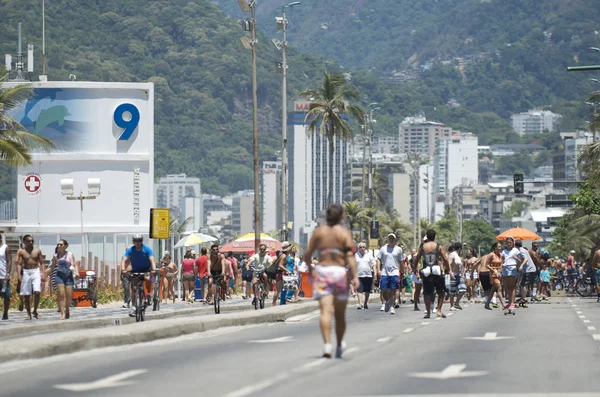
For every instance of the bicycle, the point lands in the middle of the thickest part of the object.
(585, 287)
(217, 293)
(259, 293)
(139, 298)
(156, 294)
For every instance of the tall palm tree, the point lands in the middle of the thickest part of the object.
(329, 103)
(15, 141)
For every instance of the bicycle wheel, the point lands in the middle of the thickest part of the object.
(256, 298)
(217, 299)
(94, 297)
(584, 289)
(262, 299)
(139, 307)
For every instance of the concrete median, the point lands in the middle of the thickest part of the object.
(38, 346)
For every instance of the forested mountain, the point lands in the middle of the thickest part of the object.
(514, 54)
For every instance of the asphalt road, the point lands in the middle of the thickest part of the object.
(549, 350)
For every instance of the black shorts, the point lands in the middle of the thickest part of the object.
(486, 283)
(433, 284)
(366, 283)
(530, 279)
(247, 275)
(216, 273)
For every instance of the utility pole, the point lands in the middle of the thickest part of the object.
(43, 37)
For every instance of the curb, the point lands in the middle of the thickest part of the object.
(39, 346)
(124, 319)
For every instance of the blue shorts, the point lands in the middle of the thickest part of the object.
(64, 279)
(231, 283)
(509, 271)
(4, 286)
(388, 282)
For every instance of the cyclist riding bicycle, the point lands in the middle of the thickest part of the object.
(261, 261)
(138, 258)
(218, 267)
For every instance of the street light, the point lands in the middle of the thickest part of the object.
(367, 141)
(281, 24)
(250, 44)
(67, 189)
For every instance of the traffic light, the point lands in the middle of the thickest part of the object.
(518, 183)
(374, 229)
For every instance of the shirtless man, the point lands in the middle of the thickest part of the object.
(30, 261)
(596, 272)
(218, 265)
(431, 272)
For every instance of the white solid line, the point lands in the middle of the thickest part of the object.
(245, 391)
(424, 323)
(591, 328)
(312, 364)
(581, 316)
(383, 340)
(596, 336)
(351, 350)
(108, 382)
(407, 330)
(586, 321)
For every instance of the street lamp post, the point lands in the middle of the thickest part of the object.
(250, 44)
(282, 24)
(371, 122)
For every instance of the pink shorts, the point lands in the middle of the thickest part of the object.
(330, 280)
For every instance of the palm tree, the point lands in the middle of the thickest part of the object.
(329, 103)
(15, 141)
(354, 214)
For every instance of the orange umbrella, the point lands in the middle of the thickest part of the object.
(519, 234)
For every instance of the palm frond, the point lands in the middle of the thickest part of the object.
(14, 96)
(13, 153)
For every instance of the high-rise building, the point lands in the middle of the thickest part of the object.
(417, 135)
(456, 163)
(270, 206)
(565, 166)
(242, 212)
(400, 185)
(308, 177)
(171, 192)
(535, 122)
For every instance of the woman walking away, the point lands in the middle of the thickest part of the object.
(188, 276)
(330, 279)
(494, 265)
(63, 261)
(168, 271)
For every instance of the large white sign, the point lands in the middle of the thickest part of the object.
(101, 130)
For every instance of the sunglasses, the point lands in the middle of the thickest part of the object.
(263, 249)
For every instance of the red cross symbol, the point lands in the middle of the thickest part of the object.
(33, 183)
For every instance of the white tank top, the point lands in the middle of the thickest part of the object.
(3, 261)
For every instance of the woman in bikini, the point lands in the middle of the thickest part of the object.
(62, 262)
(494, 265)
(330, 278)
(471, 261)
(168, 270)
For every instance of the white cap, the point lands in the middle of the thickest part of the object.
(572, 252)
(392, 235)
(166, 253)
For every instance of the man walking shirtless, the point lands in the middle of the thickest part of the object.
(30, 263)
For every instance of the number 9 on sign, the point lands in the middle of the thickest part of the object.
(129, 124)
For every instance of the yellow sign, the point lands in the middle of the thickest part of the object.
(373, 244)
(160, 223)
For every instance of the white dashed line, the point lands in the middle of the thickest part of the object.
(450, 314)
(311, 365)
(574, 305)
(383, 340)
(351, 350)
(581, 316)
(245, 391)
(438, 319)
(596, 337)
(424, 323)
(586, 321)
(579, 312)
(407, 330)
(591, 328)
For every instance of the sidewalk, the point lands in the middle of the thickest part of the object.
(110, 314)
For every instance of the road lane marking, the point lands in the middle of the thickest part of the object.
(580, 312)
(245, 391)
(591, 328)
(407, 330)
(596, 336)
(274, 340)
(581, 316)
(304, 317)
(383, 340)
(450, 372)
(351, 350)
(574, 305)
(104, 383)
(450, 314)
(489, 336)
(424, 323)
(586, 321)
(311, 365)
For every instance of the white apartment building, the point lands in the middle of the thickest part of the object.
(270, 206)
(172, 192)
(401, 187)
(573, 149)
(535, 121)
(456, 164)
(417, 135)
(308, 179)
(242, 212)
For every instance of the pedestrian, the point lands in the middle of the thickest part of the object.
(5, 272)
(458, 288)
(280, 267)
(470, 271)
(389, 259)
(188, 276)
(232, 274)
(168, 272)
(366, 269)
(202, 269)
(528, 272)
(330, 278)
(417, 282)
(30, 261)
(512, 260)
(246, 277)
(494, 266)
(596, 272)
(431, 273)
(539, 263)
(545, 282)
(67, 270)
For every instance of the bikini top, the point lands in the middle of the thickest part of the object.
(334, 251)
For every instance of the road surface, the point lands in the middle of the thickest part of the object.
(548, 349)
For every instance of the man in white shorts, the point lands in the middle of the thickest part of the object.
(30, 260)
(416, 280)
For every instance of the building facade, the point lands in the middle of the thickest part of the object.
(456, 163)
(417, 135)
(270, 206)
(242, 212)
(183, 196)
(535, 122)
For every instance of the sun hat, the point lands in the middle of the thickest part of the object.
(286, 246)
(392, 235)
